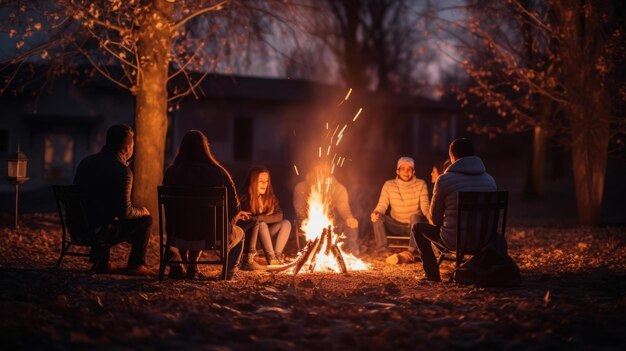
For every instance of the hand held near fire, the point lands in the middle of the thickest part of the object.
(374, 216)
(352, 222)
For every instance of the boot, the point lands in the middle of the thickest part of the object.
(272, 260)
(280, 257)
(249, 264)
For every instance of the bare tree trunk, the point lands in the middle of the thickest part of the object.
(535, 181)
(589, 108)
(589, 158)
(151, 109)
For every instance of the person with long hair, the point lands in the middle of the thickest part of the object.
(195, 166)
(260, 205)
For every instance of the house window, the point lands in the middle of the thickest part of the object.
(243, 138)
(439, 136)
(4, 141)
(58, 156)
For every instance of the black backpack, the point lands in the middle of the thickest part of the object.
(489, 268)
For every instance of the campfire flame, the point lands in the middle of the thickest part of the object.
(325, 258)
(323, 251)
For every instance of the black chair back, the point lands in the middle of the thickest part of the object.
(193, 219)
(481, 218)
(72, 215)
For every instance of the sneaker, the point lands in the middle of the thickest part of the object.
(104, 269)
(392, 259)
(177, 272)
(142, 270)
(427, 279)
(194, 273)
(231, 274)
(405, 257)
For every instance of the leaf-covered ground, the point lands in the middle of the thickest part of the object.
(573, 297)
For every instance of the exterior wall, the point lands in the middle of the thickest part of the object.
(76, 117)
(281, 133)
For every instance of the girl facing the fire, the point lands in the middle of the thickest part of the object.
(265, 221)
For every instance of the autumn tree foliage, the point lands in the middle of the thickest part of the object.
(149, 47)
(552, 66)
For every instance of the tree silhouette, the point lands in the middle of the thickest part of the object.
(553, 66)
(149, 47)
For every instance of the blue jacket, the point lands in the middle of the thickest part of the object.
(466, 174)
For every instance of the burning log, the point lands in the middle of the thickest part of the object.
(329, 240)
(339, 257)
(310, 246)
(313, 249)
(318, 248)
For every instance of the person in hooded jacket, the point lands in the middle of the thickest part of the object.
(466, 173)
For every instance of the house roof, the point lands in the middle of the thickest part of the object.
(220, 86)
(283, 89)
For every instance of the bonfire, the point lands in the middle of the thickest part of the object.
(323, 250)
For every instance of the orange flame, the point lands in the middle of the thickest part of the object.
(313, 226)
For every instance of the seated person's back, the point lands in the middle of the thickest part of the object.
(188, 217)
(196, 167)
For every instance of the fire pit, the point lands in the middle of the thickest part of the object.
(323, 250)
(325, 244)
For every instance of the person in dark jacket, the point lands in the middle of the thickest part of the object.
(195, 166)
(260, 205)
(105, 183)
(466, 173)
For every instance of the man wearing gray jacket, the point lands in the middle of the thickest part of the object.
(466, 173)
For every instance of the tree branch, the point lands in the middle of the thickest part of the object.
(100, 70)
(191, 88)
(215, 7)
(107, 25)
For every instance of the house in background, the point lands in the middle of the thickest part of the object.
(275, 122)
(59, 127)
(280, 123)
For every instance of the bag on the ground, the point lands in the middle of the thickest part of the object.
(489, 268)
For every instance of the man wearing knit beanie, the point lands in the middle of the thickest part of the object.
(408, 198)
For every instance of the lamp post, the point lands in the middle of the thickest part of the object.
(16, 173)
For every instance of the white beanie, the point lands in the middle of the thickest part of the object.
(406, 160)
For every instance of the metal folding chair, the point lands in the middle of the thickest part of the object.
(75, 227)
(193, 219)
(481, 218)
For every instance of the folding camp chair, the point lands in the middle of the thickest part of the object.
(400, 242)
(481, 219)
(180, 225)
(76, 230)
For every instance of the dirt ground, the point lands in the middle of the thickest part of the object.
(573, 297)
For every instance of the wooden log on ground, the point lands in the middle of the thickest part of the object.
(340, 261)
(308, 250)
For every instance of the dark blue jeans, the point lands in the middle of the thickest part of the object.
(387, 225)
(135, 231)
(425, 234)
